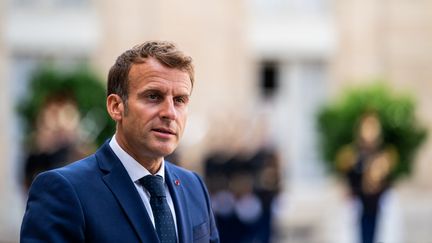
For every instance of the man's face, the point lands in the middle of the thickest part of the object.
(156, 113)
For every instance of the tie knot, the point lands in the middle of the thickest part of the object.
(154, 185)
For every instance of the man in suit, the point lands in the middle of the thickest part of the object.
(126, 191)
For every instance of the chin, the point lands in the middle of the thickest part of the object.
(164, 151)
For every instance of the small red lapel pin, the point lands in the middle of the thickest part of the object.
(177, 182)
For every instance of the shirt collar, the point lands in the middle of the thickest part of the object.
(135, 170)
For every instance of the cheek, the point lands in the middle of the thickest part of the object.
(146, 114)
(181, 124)
(183, 118)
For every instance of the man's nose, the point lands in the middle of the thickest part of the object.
(168, 110)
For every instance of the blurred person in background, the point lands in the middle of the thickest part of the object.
(127, 191)
(244, 182)
(55, 141)
(367, 164)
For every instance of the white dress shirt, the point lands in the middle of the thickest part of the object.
(136, 171)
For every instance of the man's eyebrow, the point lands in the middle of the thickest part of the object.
(161, 92)
(149, 91)
(185, 94)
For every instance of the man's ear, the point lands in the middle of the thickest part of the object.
(115, 107)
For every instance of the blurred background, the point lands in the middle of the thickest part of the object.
(269, 73)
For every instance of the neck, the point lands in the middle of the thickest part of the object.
(152, 164)
(153, 167)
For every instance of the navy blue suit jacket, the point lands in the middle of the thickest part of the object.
(94, 200)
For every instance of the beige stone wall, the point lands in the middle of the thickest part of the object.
(392, 41)
(357, 54)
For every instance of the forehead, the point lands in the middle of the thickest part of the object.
(152, 72)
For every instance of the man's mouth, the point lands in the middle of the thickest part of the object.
(164, 130)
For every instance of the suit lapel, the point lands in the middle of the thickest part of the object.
(177, 194)
(118, 181)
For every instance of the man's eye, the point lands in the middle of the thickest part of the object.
(153, 97)
(180, 100)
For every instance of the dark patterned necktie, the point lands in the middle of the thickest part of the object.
(163, 218)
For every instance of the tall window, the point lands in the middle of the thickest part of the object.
(269, 79)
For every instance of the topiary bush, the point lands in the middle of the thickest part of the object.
(337, 122)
